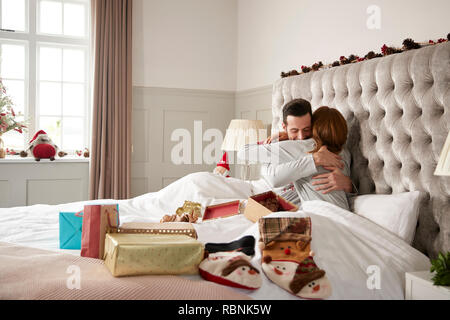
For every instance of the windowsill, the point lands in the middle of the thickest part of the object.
(67, 159)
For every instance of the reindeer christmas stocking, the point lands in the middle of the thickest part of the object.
(287, 259)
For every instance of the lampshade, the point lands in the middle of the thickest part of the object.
(443, 166)
(241, 132)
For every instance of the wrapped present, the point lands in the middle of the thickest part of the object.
(128, 254)
(96, 221)
(157, 228)
(70, 227)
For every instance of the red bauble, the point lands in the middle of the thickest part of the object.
(44, 151)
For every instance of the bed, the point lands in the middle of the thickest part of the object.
(397, 111)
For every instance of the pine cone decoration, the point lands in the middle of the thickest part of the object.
(409, 44)
(389, 50)
(343, 60)
(370, 55)
(335, 64)
(316, 66)
(352, 58)
(305, 69)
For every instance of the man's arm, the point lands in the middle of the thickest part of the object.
(335, 179)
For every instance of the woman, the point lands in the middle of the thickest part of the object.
(284, 162)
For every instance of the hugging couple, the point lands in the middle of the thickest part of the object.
(309, 154)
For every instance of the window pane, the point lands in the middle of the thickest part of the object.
(14, 140)
(73, 66)
(12, 58)
(73, 99)
(74, 19)
(52, 125)
(16, 90)
(73, 129)
(13, 15)
(50, 17)
(50, 99)
(50, 64)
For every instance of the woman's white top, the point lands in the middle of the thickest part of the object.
(288, 162)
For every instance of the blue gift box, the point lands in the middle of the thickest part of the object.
(70, 226)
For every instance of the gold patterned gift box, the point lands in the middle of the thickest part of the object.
(128, 254)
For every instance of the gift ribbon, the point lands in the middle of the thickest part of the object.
(78, 214)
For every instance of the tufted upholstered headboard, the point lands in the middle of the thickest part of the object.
(398, 111)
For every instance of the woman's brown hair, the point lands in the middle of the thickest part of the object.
(329, 129)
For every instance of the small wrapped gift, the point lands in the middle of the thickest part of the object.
(96, 221)
(128, 254)
(70, 227)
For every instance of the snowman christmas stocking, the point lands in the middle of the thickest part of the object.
(229, 264)
(287, 259)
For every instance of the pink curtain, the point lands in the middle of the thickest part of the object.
(112, 94)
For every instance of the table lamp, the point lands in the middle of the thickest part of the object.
(241, 132)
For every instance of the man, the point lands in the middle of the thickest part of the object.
(297, 115)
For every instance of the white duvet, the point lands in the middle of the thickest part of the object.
(361, 259)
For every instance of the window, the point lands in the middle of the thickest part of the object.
(45, 67)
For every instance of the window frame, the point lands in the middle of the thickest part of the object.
(27, 17)
(33, 40)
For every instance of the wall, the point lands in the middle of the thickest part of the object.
(157, 112)
(275, 36)
(190, 44)
(184, 70)
(215, 60)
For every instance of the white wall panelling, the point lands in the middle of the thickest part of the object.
(25, 182)
(160, 111)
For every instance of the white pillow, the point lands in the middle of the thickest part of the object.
(397, 213)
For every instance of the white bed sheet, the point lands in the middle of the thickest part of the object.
(345, 244)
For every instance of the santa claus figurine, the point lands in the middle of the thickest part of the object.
(41, 147)
(222, 167)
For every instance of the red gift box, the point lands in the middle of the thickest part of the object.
(221, 210)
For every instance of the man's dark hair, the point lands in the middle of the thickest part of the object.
(296, 108)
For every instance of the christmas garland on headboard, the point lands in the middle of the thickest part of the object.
(408, 44)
